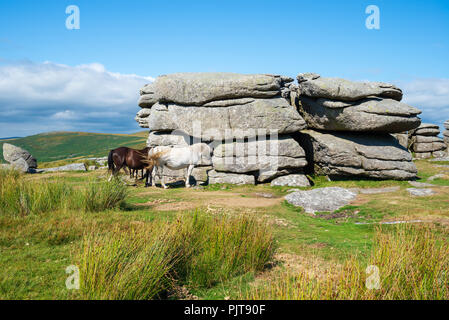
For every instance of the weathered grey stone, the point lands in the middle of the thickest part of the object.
(142, 117)
(292, 180)
(402, 139)
(375, 190)
(446, 138)
(230, 178)
(425, 129)
(313, 85)
(420, 184)
(446, 125)
(371, 114)
(13, 153)
(168, 139)
(437, 176)
(340, 155)
(423, 155)
(269, 156)
(92, 168)
(416, 192)
(196, 89)
(429, 147)
(444, 158)
(440, 155)
(21, 165)
(426, 139)
(216, 122)
(199, 175)
(68, 167)
(321, 200)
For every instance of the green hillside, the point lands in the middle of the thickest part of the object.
(54, 146)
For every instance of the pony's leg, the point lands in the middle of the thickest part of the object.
(147, 174)
(162, 177)
(126, 169)
(189, 173)
(153, 176)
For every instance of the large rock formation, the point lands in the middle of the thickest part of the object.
(19, 158)
(256, 123)
(344, 155)
(341, 105)
(425, 142)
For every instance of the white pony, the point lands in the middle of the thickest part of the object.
(176, 158)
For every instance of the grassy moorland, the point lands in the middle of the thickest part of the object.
(218, 242)
(54, 146)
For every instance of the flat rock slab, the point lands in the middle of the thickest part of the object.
(313, 85)
(437, 176)
(440, 159)
(230, 178)
(376, 190)
(69, 167)
(204, 87)
(292, 180)
(222, 123)
(420, 184)
(372, 114)
(418, 192)
(321, 200)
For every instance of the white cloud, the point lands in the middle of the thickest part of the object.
(40, 93)
(429, 95)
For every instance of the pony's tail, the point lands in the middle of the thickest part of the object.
(153, 160)
(111, 161)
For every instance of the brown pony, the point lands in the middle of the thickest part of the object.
(125, 157)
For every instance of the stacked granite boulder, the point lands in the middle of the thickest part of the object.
(425, 143)
(244, 117)
(351, 125)
(19, 158)
(446, 134)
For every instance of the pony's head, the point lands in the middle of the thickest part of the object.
(206, 153)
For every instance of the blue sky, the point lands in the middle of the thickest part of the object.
(52, 78)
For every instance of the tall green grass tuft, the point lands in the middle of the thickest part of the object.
(127, 264)
(104, 195)
(219, 247)
(413, 264)
(20, 196)
(146, 261)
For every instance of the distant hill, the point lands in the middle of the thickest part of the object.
(9, 138)
(53, 146)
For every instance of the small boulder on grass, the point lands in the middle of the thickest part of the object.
(19, 158)
(321, 200)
